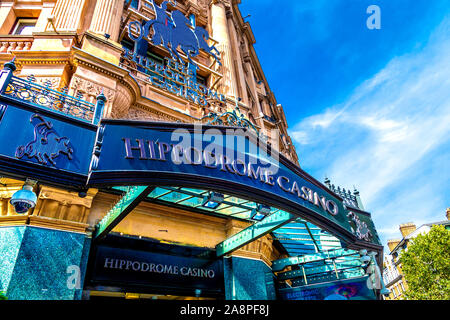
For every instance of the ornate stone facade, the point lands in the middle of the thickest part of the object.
(80, 44)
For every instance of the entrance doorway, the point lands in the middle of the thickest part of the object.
(107, 295)
(125, 267)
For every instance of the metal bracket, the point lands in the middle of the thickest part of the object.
(254, 232)
(121, 209)
(279, 265)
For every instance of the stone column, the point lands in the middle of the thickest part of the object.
(42, 24)
(41, 263)
(236, 53)
(67, 15)
(248, 279)
(220, 33)
(7, 17)
(106, 18)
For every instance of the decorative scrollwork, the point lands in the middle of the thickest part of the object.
(229, 118)
(359, 228)
(44, 96)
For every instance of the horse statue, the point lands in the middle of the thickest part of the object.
(202, 36)
(47, 145)
(183, 36)
(162, 25)
(173, 31)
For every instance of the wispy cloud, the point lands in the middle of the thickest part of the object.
(384, 137)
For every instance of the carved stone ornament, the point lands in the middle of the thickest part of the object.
(139, 114)
(90, 88)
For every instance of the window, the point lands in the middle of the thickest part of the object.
(23, 26)
(134, 4)
(202, 80)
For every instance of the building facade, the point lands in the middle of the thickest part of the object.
(93, 94)
(392, 268)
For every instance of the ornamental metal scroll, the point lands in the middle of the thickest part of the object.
(230, 118)
(44, 96)
(359, 228)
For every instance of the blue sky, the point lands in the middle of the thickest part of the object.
(369, 108)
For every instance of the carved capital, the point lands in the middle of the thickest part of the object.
(224, 3)
(64, 205)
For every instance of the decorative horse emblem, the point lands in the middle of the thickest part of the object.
(359, 227)
(173, 30)
(47, 145)
(202, 36)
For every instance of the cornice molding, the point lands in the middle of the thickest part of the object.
(15, 220)
(81, 57)
(42, 58)
(56, 224)
(44, 222)
(69, 197)
(159, 114)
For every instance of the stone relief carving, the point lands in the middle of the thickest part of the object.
(139, 114)
(121, 103)
(117, 101)
(90, 89)
(203, 4)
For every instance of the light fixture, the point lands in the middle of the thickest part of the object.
(365, 259)
(385, 291)
(24, 199)
(212, 200)
(260, 212)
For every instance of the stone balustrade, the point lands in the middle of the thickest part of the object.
(8, 44)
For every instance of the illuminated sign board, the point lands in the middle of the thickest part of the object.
(227, 160)
(54, 148)
(128, 268)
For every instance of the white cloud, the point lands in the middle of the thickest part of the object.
(393, 120)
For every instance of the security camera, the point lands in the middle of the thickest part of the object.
(82, 193)
(365, 259)
(24, 199)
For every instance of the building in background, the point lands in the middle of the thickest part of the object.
(392, 268)
(98, 200)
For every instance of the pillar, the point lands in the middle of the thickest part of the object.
(236, 52)
(7, 16)
(247, 273)
(44, 252)
(106, 18)
(42, 264)
(220, 33)
(42, 24)
(67, 15)
(248, 279)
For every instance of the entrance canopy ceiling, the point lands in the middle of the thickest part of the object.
(298, 237)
